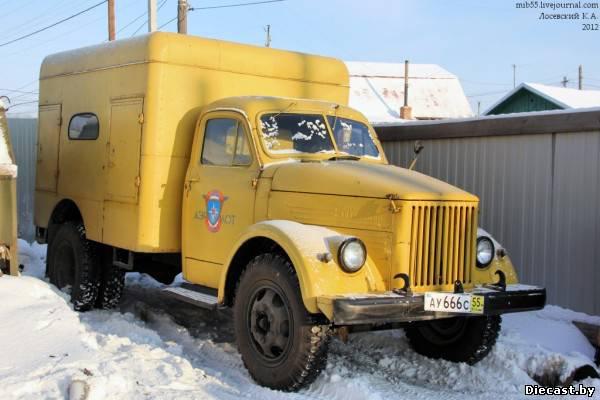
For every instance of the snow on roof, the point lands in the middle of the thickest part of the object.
(377, 90)
(563, 97)
(484, 117)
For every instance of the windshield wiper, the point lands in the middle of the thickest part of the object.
(346, 157)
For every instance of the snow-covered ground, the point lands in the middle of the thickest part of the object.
(156, 347)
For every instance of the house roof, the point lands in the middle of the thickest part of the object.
(377, 90)
(565, 98)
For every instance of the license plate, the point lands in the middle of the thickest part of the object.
(454, 302)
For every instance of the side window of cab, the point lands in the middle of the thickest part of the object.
(225, 143)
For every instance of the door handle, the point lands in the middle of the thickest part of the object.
(187, 186)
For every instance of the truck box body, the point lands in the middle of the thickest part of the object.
(146, 95)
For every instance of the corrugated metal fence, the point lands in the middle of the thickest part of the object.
(23, 134)
(538, 180)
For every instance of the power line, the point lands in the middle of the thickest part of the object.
(235, 5)
(22, 104)
(487, 94)
(52, 25)
(18, 91)
(146, 21)
(484, 83)
(131, 23)
(223, 6)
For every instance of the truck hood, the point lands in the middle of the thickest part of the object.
(353, 178)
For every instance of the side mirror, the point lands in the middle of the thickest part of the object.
(418, 147)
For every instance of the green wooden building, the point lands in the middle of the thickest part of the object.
(528, 97)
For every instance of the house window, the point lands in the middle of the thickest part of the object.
(84, 126)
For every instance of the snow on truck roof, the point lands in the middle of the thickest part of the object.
(377, 89)
(197, 52)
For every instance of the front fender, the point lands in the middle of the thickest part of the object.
(504, 264)
(304, 244)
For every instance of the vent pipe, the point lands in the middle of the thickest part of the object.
(406, 110)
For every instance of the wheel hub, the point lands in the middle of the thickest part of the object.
(270, 323)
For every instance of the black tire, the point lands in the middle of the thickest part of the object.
(459, 339)
(282, 354)
(72, 261)
(112, 283)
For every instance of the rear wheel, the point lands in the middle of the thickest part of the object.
(73, 265)
(282, 345)
(458, 339)
(112, 283)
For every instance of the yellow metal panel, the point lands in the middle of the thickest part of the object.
(454, 226)
(426, 232)
(470, 242)
(445, 243)
(49, 123)
(442, 244)
(120, 225)
(124, 146)
(438, 248)
(316, 277)
(432, 246)
(461, 244)
(199, 53)
(327, 210)
(413, 245)
(203, 272)
(419, 254)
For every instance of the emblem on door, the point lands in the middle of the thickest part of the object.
(214, 206)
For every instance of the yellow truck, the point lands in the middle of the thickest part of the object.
(243, 168)
(8, 200)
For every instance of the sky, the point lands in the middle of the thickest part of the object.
(477, 40)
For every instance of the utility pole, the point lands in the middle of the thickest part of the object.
(151, 15)
(111, 19)
(565, 81)
(514, 75)
(268, 40)
(479, 108)
(581, 77)
(182, 10)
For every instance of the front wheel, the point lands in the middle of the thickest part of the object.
(458, 339)
(281, 344)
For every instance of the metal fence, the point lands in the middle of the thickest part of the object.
(23, 134)
(538, 180)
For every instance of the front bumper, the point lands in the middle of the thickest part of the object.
(393, 307)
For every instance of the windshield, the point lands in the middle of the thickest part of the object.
(353, 137)
(295, 133)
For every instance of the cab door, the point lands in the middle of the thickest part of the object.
(218, 194)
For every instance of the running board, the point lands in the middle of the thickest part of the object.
(194, 294)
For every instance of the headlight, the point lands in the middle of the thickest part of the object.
(485, 251)
(352, 254)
